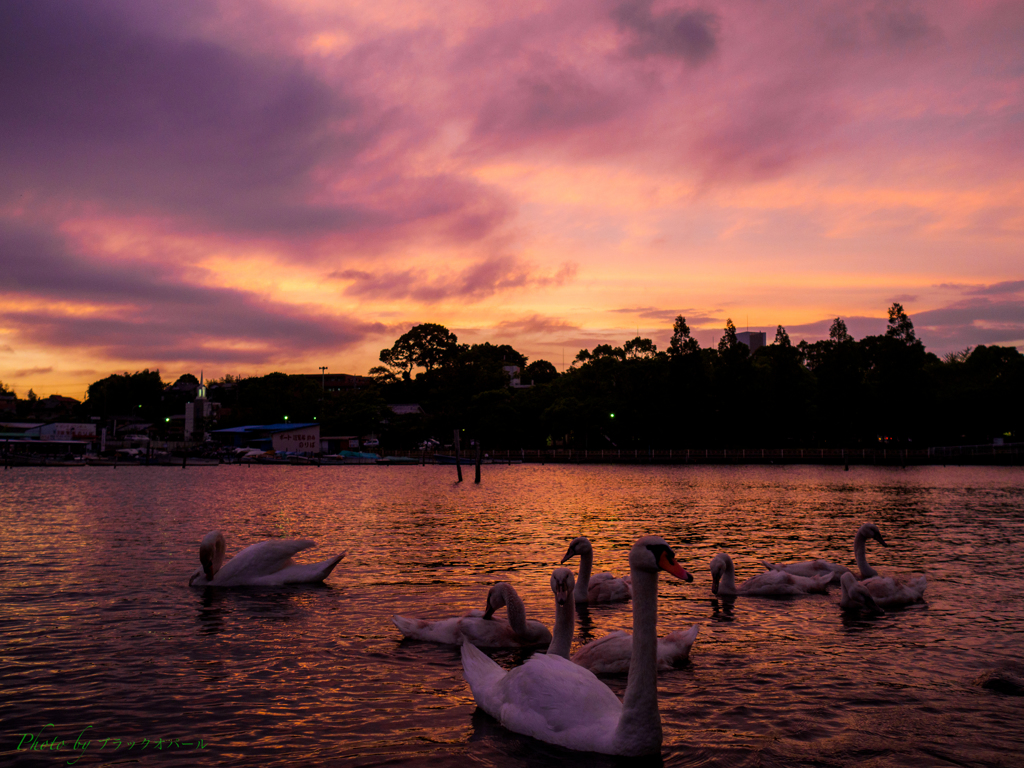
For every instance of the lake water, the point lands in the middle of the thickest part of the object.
(100, 632)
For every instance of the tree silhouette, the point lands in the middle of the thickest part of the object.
(427, 345)
(838, 332)
(728, 341)
(900, 327)
(682, 342)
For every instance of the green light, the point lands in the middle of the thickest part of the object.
(286, 418)
(612, 415)
(167, 419)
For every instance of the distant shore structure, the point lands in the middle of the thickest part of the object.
(753, 339)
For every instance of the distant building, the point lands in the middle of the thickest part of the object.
(8, 403)
(199, 414)
(298, 438)
(63, 431)
(58, 404)
(514, 381)
(753, 339)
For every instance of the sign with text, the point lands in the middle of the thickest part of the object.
(304, 440)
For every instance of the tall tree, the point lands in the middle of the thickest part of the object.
(427, 345)
(682, 342)
(900, 327)
(728, 340)
(782, 338)
(838, 332)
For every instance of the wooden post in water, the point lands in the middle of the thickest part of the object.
(458, 462)
(479, 454)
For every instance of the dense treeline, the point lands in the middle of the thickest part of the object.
(838, 392)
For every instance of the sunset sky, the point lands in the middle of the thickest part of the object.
(247, 187)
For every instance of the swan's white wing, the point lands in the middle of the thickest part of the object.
(890, 593)
(557, 701)
(605, 588)
(299, 573)
(260, 560)
(440, 631)
(608, 655)
(779, 583)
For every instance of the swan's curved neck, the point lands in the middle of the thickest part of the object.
(859, 552)
(583, 582)
(516, 609)
(639, 729)
(565, 625)
(727, 583)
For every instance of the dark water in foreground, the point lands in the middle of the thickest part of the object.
(98, 627)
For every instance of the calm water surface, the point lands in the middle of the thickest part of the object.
(99, 628)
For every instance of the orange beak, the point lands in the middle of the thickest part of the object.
(667, 563)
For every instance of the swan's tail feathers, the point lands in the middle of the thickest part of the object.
(771, 566)
(483, 676)
(823, 581)
(406, 625)
(918, 586)
(674, 648)
(328, 565)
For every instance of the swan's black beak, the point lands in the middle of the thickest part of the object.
(714, 583)
(880, 540)
(568, 555)
(192, 578)
(561, 594)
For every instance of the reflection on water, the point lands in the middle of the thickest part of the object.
(100, 629)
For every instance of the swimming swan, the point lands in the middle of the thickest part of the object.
(767, 584)
(880, 592)
(818, 567)
(608, 655)
(601, 587)
(554, 700)
(480, 627)
(264, 564)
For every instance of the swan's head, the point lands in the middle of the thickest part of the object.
(870, 531)
(496, 599)
(578, 547)
(211, 553)
(562, 584)
(653, 554)
(721, 564)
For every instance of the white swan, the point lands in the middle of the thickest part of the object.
(554, 700)
(818, 567)
(480, 627)
(601, 587)
(879, 592)
(767, 584)
(264, 564)
(608, 655)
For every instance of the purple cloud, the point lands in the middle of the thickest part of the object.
(152, 312)
(477, 282)
(689, 35)
(100, 107)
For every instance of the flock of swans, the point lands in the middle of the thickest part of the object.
(557, 697)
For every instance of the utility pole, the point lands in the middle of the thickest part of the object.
(323, 389)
